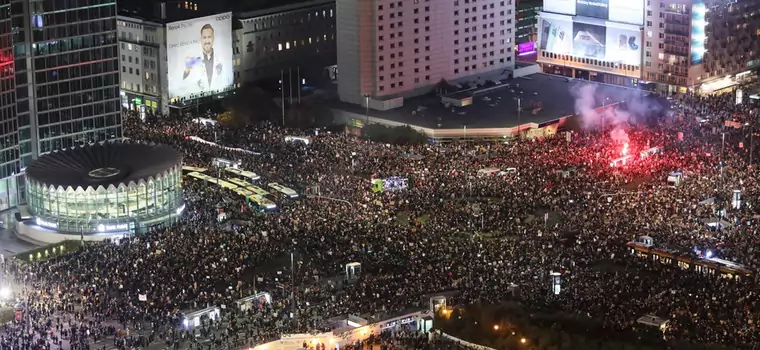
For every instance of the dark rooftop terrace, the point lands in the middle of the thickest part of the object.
(498, 108)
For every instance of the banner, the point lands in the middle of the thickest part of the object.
(199, 55)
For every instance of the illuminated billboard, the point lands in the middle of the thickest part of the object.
(592, 39)
(556, 34)
(566, 7)
(623, 11)
(199, 54)
(698, 24)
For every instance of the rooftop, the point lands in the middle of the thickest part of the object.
(103, 165)
(498, 107)
(151, 10)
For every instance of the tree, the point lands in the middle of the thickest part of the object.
(398, 135)
(252, 104)
(231, 119)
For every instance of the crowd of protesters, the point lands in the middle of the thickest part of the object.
(563, 208)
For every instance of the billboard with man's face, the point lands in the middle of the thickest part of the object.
(199, 54)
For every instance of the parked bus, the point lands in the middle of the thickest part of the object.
(282, 190)
(261, 202)
(243, 174)
(708, 265)
(191, 169)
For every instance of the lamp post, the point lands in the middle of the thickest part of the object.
(366, 108)
(519, 117)
(604, 107)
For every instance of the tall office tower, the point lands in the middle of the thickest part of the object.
(397, 48)
(527, 22)
(67, 74)
(700, 44)
(9, 158)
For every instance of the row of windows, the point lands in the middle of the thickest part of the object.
(76, 57)
(589, 61)
(65, 45)
(84, 70)
(76, 114)
(75, 99)
(77, 126)
(77, 86)
(8, 126)
(288, 19)
(81, 139)
(132, 37)
(467, 68)
(95, 107)
(74, 30)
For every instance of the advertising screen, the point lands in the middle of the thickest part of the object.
(623, 11)
(698, 24)
(603, 40)
(589, 41)
(623, 44)
(556, 34)
(566, 7)
(199, 54)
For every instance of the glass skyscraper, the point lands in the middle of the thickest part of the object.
(67, 75)
(9, 150)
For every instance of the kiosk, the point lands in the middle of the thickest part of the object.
(675, 178)
(196, 318)
(252, 301)
(353, 271)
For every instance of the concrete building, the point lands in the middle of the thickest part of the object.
(9, 150)
(709, 45)
(142, 56)
(296, 38)
(526, 27)
(67, 75)
(390, 49)
(288, 38)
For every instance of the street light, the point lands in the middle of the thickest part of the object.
(523, 340)
(366, 107)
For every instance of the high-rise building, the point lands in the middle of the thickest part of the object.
(705, 45)
(9, 156)
(527, 21)
(67, 74)
(662, 45)
(397, 48)
(142, 44)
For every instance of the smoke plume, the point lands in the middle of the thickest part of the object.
(625, 105)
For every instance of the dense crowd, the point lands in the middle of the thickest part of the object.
(563, 208)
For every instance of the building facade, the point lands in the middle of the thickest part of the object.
(398, 48)
(291, 38)
(66, 74)
(298, 39)
(9, 150)
(526, 28)
(142, 57)
(698, 44)
(705, 45)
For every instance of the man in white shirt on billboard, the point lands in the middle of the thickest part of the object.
(212, 71)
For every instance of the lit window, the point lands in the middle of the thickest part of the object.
(661, 56)
(279, 47)
(287, 45)
(129, 47)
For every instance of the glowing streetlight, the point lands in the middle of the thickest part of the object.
(523, 340)
(496, 327)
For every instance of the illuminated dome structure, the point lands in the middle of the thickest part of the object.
(105, 190)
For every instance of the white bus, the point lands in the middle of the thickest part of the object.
(283, 191)
(225, 163)
(245, 174)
